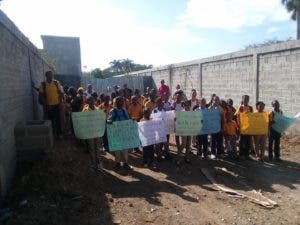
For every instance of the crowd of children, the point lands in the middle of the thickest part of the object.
(124, 104)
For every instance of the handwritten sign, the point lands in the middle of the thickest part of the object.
(211, 122)
(188, 123)
(254, 123)
(89, 124)
(152, 132)
(123, 135)
(282, 123)
(168, 120)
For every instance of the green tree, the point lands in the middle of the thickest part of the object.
(266, 43)
(97, 73)
(127, 65)
(293, 6)
(116, 66)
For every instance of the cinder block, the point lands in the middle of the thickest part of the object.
(33, 138)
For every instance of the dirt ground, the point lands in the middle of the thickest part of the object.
(61, 189)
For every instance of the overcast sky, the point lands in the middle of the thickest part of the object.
(154, 32)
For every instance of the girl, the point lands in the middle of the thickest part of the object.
(118, 113)
(148, 151)
(93, 143)
(274, 136)
(202, 142)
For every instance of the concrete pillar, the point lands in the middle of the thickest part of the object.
(256, 77)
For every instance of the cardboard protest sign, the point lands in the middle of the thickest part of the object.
(188, 123)
(254, 123)
(123, 135)
(89, 124)
(168, 120)
(282, 123)
(211, 122)
(152, 132)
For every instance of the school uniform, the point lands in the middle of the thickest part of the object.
(160, 146)
(274, 139)
(245, 140)
(202, 141)
(230, 131)
(217, 147)
(119, 115)
(148, 152)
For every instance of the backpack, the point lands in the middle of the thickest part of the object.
(42, 96)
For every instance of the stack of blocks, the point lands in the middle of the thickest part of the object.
(33, 138)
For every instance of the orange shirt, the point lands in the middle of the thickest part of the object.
(106, 109)
(150, 105)
(135, 111)
(141, 100)
(230, 128)
(126, 103)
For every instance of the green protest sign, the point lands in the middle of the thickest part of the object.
(123, 135)
(188, 123)
(89, 124)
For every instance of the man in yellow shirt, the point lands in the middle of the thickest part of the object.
(50, 96)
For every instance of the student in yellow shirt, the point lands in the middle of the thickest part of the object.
(106, 106)
(231, 134)
(93, 143)
(260, 140)
(151, 104)
(51, 96)
(245, 140)
(141, 99)
(135, 110)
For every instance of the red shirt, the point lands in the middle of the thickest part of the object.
(164, 89)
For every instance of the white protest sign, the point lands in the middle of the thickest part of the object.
(152, 132)
(168, 120)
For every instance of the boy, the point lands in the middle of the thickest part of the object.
(230, 132)
(245, 140)
(202, 142)
(150, 104)
(135, 110)
(93, 143)
(165, 153)
(106, 107)
(185, 140)
(177, 106)
(148, 151)
(217, 147)
(167, 104)
(274, 136)
(260, 140)
(118, 113)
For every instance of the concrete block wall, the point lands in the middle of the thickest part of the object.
(106, 85)
(266, 73)
(279, 75)
(20, 64)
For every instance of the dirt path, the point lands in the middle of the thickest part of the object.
(62, 190)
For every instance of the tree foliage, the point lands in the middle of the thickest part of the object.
(291, 6)
(118, 67)
(266, 43)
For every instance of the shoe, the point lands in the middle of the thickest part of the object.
(278, 160)
(117, 166)
(127, 167)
